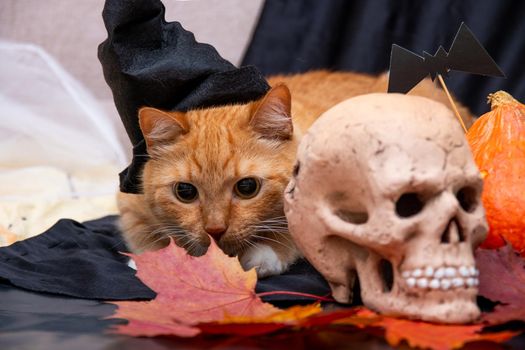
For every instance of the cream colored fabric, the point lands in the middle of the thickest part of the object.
(32, 199)
(59, 152)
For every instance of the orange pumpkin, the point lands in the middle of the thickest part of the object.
(497, 140)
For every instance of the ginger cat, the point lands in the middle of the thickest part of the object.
(221, 172)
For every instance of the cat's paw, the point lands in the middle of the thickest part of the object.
(264, 259)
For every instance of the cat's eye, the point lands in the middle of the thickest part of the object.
(247, 188)
(185, 192)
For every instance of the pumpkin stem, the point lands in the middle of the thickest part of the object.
(500, 98)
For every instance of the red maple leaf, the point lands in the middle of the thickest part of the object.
(502, 279)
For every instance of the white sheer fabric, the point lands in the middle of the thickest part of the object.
(59, 152)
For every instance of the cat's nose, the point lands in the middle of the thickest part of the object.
(216, 231)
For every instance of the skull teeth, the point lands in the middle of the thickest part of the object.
(450, 271)
(444, 278)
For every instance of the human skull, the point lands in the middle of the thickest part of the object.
(385, 192)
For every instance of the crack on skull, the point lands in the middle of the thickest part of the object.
(445, 158)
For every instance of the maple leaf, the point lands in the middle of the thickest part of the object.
(242, 325)
(423, 334)
(212, 294)
(212, 291)
(502, 279)
(190, 290)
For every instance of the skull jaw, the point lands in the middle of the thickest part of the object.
(452, 306)
(388, 294)
(434, 306)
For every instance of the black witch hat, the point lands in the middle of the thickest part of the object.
(150, 62)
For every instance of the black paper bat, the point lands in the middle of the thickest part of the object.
(466, 54)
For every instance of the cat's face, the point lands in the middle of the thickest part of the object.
(220, 172)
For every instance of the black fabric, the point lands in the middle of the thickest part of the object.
(301, 277)
(85, 261)
(297, 36)
(80, 260)
(150, 62)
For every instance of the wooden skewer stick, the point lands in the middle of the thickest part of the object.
(452, 102)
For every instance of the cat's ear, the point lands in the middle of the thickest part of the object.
(160, 127)
(273, 117)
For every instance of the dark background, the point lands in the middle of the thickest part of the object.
(356, 35)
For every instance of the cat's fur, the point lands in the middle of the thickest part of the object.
(213, 148)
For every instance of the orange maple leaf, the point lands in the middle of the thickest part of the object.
(421, 334)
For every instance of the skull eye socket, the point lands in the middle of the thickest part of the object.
(353, 217)
(409, 204)
(468, 198)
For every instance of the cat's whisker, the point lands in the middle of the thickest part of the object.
(276, 227)
(269, 230)
(184, 242)
(152, 243)
(244, 244)
(287, 238)
(275, 218)
(273, 240)
(172, 230)
(189, 242)
(160, 233)
(273, 223)
(249, 243)
(284, 234)
(238, 245)
(252, 244)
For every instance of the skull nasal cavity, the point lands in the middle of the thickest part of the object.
(353, 217)
(409, 204)
(453, 233)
